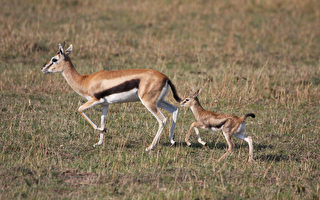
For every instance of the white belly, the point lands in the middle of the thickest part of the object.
(215, 129)
(128, 96)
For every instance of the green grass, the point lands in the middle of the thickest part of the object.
(248, 56)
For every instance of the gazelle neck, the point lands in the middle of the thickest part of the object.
(197, 109)
(73, 78)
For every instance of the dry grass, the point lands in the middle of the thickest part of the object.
(249, 56)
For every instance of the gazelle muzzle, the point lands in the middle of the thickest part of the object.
(45, 68)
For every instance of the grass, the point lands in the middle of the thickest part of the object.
(249, 56)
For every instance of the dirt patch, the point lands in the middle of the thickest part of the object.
(76, 177)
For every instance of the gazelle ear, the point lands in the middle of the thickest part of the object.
(69, 50)
(61, 51)
(197, 93)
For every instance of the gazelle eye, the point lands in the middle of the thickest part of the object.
(54, 60)
(187, 100)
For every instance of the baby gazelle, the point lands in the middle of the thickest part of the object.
(229, 124)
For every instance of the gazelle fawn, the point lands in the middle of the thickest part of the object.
(108, 87)
(229, 124)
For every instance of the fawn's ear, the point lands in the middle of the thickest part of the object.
(197, 93)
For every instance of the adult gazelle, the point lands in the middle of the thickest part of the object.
(108, 87)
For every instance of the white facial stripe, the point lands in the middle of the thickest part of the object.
(48, 65)
(46, 68)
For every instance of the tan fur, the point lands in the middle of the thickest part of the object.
(229, 124)
(86, 85)
(149, 84)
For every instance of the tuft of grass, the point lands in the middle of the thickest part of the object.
(248, 56)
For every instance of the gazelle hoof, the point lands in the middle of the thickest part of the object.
(201, 142)
(173, 142)
(97, 144)
(100, 129)
(188, 144)
(148, 149)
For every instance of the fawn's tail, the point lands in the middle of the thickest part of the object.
(244, 117)
(250, 115)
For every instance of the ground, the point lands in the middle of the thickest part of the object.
(247, 56)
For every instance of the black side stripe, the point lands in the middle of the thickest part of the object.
(123, 87)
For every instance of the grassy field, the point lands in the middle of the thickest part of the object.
(260, 56)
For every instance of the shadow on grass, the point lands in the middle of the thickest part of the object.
(196, 145)
(219, 145)
(130, 145)
(278, 157)
(271, 157)
(259, 147)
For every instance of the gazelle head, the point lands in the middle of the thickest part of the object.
(191, 99)
(56, 63)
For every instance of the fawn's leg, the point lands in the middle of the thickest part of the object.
(230, 146)
(248, 139)
(193, 125)
(198, 135)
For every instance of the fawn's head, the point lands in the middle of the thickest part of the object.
(57, 62)
(191, 100)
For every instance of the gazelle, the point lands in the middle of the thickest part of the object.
(108, 87)
(229, 124)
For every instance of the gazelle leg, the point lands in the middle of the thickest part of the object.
(230, 146)
(174, 111)
(198, 135)
(86, 106)
(248, 139)
(103, 122)
(161, 120)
